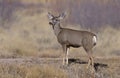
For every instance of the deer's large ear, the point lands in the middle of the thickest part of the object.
(62, 16)
(50, 16)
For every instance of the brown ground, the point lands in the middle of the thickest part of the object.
(105, 67)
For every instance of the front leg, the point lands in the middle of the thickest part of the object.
(65, 55)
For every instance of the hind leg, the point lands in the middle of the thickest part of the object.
(88, 63)
(91, 62)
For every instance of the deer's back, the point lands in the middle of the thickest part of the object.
(74, 37)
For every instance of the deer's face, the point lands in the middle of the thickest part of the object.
(55, 19)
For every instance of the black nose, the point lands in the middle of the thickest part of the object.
(50, 23)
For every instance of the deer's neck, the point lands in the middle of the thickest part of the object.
(57, 29)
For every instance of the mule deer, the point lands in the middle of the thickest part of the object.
(72, 38)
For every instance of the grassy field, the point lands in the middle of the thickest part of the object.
(53, 68)
(30, 71)
(25, 32)
(32, 36)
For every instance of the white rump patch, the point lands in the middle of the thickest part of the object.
(94, 39)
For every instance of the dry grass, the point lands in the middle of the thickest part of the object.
(31, 71)
(108, 42)
(26, 38)
(52, 68)
(31, 35)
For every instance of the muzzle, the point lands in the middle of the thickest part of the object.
(50, 23)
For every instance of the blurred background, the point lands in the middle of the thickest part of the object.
(24, 28)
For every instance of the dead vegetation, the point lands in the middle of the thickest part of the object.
(29, 34)
(52, 68)
(30, 71)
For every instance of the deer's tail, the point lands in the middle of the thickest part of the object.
(94, 40)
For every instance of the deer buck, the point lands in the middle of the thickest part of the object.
(72, 38)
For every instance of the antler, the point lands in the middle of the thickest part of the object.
(61, 16)
(50, 16)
